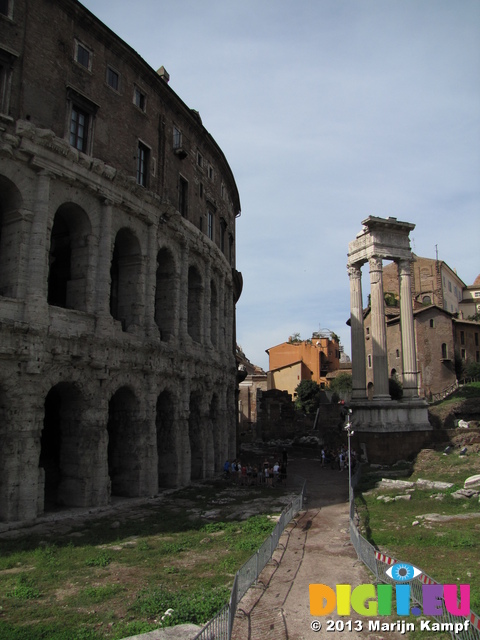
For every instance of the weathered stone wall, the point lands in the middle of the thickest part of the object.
(117, 366)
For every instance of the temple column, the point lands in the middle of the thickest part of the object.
(409, 354)
(359, 377)
(379, 334)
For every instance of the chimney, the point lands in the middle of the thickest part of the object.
(163, 73)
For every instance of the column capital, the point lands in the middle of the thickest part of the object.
(354, 271)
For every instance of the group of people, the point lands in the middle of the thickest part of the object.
(267, 473)
(338, 458)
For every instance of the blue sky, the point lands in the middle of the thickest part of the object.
(328, 111)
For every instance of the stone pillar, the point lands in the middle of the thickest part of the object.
(151, 328)
(102, 303)
(207, 311)
(39, 245)
(183, 294)
(379, 334)
(359, 378)
(409, 355)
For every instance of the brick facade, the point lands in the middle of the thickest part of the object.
(117, 271)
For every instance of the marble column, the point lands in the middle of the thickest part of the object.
(409, 356)
(359, 378)
(379, 333)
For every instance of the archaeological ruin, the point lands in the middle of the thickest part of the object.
(386, 430)
(117, 271)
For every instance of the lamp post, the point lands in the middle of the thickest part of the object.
(350, 432)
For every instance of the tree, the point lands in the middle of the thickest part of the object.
(395, 388)
(308, 396)
(341, 383)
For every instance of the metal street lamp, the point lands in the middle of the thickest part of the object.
(350, 432)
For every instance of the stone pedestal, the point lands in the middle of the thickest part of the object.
(391, 431)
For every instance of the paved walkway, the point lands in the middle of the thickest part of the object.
(315, 548)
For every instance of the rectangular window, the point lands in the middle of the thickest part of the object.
(223, 231)
(462, 337)
(4, 8)
(477, 356)
(476, 294)
(199, 159)
(449, 286)
(79, 129)
(476, 339)
(177, 138)
(143, 156)
(210, 172)
(113, 79)
(7, 61)
(183, 197)
(210, 225)
(464, 354)
(139, 99)
(83, 56)
(369, 361)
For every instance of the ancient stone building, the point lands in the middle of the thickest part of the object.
(117, 271)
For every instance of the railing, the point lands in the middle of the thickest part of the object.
(220, 627)
(379, 563)
(436, 397)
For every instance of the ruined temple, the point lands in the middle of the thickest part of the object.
(117, 271)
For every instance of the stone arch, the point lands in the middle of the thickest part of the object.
(63, 453)
(10, 236)
(194, 304)
(69, 258)
(370, 390)
(165, 422)
(165, 294)
(124, 429)
(218, 430)
(125, 274)
(213, 314)
(4, 458)
(196, 435)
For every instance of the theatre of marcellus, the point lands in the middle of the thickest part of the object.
(117, 271)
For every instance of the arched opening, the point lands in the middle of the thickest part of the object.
(197, 440)
(166, 446)
(165, 294)
(61, 447)
(4, 454)
(125, 272)
(370, 391)
(10, 237)
(69, 258)
(213, 314)
(216, 433)
(194, 304)
(123, 431)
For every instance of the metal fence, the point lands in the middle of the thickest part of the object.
(379, 563)
(220, 627)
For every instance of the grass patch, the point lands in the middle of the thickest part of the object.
(446, 548)
(112, 580)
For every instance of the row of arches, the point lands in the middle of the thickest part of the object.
(86, 456)
(97, 267)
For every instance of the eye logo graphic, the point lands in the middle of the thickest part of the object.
(402, 572)
(371, 600)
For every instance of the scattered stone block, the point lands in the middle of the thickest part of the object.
(472, 481)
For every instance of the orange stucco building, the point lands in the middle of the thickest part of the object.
(297, 360)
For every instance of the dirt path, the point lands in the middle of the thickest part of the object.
(315, 548)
